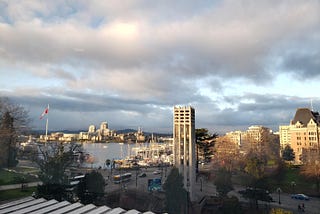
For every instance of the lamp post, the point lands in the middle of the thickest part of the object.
(293, 184)
(165, 170)
(137, 169)
(279, 191)
(200, 184)
(188, 185)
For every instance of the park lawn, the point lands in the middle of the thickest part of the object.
(296, 182)
(11, 177)
(16, 193)
(284, 180)
(290, 180)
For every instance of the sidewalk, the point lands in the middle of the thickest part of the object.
(18, 186)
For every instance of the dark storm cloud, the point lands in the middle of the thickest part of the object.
(303, 65)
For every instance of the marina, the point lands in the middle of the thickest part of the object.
(128, 155)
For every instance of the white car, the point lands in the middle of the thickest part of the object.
(157, 172)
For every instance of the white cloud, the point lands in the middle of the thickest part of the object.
(159, 53)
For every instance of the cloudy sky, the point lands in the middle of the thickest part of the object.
(238, 63)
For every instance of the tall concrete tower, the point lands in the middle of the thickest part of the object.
(184, 146)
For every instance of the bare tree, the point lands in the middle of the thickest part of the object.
(53, 161)
(14, 120)
(227, 153)
(311, 165)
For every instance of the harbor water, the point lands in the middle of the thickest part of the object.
(100, 152)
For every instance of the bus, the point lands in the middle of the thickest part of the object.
(76, 180)
(117, 179)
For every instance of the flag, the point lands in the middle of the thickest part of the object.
(46, 111)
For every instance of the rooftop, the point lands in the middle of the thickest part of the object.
(41, 205)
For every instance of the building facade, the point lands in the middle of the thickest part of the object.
(302, 134)
(184, 146)
(252, 138)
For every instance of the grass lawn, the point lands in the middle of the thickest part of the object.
(11, 177)
(16, 193)
(289, 180)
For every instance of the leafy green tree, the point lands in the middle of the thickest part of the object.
(176, 195)
(91, 188)
(13, 122)
(288, 153)
(223, 182)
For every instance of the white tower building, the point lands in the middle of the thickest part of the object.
(92, 129)
(184, 146)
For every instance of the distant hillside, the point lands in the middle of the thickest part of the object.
(125, 131)
(122, 131)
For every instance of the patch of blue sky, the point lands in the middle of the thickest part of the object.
(283, 84)
(57, 13)
(97, 21)
(16, 78)
(4, 17)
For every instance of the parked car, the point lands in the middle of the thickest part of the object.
(300, 197)
(157, 172)
(260, 194)
(141, 175)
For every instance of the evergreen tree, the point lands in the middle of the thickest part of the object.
(176, 195)
(223, 182)
(205, 143)
(288, 153)
(91, 188)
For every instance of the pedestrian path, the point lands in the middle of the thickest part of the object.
(18, 186)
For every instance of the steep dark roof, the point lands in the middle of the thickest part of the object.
(304, 115)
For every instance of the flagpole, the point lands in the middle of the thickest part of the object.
(47, 130)
(47, 123)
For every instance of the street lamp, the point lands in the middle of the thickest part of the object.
(293, 184)
(137, 169)
(279, 191)
(188, 185)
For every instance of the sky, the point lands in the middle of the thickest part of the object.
(238, 63)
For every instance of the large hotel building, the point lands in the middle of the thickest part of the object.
(302, 134)
(184, 146)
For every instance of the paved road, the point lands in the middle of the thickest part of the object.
(286, 202)
(136, 182)
(18, 186)
(312, 206)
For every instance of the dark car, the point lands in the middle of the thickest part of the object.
(300, 197)
(259, 194)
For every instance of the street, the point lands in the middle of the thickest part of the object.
(135, 182)
(202, 188)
